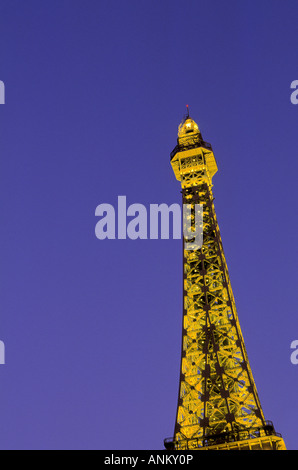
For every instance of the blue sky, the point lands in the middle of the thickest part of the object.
(95, 92)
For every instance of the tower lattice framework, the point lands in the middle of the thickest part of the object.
(218, 404)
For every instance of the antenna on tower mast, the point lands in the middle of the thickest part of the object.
(187, 111)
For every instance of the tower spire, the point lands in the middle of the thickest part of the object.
(187, 111)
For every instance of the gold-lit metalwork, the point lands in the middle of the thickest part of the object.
(218, 404)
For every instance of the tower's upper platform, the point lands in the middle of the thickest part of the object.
(192, 159)
(188, 127)
(189, 136)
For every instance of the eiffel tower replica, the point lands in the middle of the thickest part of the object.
(218, 404)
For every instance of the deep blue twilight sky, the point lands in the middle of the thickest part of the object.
(95, 91)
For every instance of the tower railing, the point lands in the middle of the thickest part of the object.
(222, 438)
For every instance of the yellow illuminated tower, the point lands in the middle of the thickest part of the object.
(218, 404)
